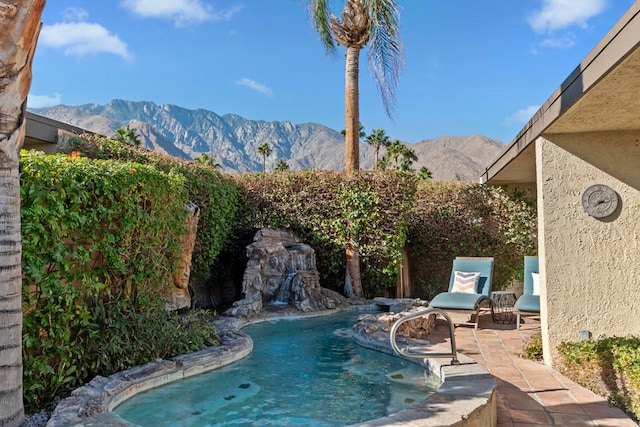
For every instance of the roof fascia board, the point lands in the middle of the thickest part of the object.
(623, 37)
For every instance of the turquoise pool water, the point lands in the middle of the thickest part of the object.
(303, 372)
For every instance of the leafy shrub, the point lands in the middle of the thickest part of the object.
(462, 219)
(100, 241)
(215, 195)
(533, 348)
(610, 366)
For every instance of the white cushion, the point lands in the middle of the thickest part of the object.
(465, 283)
(536, 283)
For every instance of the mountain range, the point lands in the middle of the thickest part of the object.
(234, 140)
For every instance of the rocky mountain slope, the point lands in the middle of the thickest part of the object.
(234, 140)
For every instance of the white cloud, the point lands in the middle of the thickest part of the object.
(258, 87)
(39, 101)
(182, 12)
(521, 116)
(75, 14)
(81, 38)
(558, 14)
(565, 42)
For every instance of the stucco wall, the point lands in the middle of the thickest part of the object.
(590, 268)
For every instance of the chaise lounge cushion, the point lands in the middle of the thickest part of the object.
(529, 303)
(458, 301)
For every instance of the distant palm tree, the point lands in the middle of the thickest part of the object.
(394, 150)
(377, 138)
(376, 23)
(20, 23)
(281, 166)
(265, 151)
(208, 160)
(424, 174)
(127, 135)
(401, 155)
(409, 156)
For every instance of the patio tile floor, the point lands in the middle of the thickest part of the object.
(529, 393)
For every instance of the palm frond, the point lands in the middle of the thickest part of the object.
(320, 15)
(386, 55)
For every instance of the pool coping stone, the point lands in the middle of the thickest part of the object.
(466, 396)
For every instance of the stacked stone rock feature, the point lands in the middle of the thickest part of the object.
(277, 258)
(372, 330)
(180, 296)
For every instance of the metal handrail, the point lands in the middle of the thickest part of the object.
(415, 351)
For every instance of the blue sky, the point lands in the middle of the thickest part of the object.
(471, 67)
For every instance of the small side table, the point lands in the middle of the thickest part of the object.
(502, 303)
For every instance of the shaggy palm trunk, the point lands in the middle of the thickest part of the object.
(352, 284)
(352, 111)
(20, 23)
(11, 408)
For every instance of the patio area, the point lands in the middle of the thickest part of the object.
(529, 393)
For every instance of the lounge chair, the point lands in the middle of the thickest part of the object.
(467, 292)
(529, 302)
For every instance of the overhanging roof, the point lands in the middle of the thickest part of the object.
(44, 129)
(601, 94)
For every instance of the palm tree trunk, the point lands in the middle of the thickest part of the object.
(377, 151)
(20, 23)
(352, 111)
(353, 284)
(11, 407)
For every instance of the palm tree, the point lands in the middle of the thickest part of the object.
(127, 135)
(377, 138)
(20, 23)
(401, 155)
(265, 151)
(424, 174)
(372, 22)
(376, 23)
(394, 150)
(281, 166)
(207, 160)
(409, 156)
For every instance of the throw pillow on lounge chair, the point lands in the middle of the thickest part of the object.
(466, 302)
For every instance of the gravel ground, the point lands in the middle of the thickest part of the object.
(39, 419)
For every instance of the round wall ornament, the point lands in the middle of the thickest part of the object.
(599, 201)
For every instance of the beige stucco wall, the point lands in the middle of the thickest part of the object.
(590, 268)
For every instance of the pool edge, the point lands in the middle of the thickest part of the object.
(466, 396)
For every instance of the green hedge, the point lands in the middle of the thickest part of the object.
(610, 366)
(100, 241)
(388, 210)
(327, 209)
(215, 195)
(463, 219)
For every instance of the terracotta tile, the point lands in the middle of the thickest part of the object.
(521, 401)
(531, 417)
(572, 420)
(603, 410)
(531, 425)
(503, 416)
(565, 409)
(556, 397)
(614, 422)
(529, 393)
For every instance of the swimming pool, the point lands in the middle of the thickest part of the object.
(302, 372)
